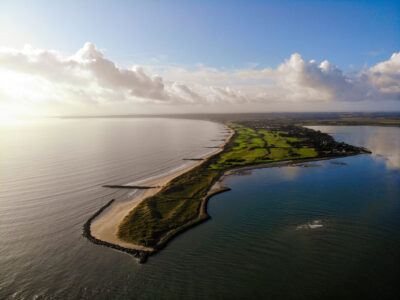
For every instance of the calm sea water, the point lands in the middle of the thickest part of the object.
(328, 231)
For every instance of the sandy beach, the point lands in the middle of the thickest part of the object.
(105, 226)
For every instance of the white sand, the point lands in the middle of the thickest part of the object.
(105, 226)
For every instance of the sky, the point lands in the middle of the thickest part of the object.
(127, 57)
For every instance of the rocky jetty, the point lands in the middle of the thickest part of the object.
(140, 254)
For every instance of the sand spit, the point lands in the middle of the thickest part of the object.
(105, 226)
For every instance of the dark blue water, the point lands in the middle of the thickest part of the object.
(328, 231)
(331, 231)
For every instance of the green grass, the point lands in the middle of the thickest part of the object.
(173, 207)
(306, 152)
(251, 146)
(178, 205)
(258, 142)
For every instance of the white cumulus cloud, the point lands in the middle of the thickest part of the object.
(386, 76)
(89, 77)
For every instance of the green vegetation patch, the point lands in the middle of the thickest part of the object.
(262, 146)
(176, 205)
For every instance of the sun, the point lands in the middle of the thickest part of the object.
(20, 97)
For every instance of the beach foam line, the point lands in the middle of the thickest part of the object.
(183, 166)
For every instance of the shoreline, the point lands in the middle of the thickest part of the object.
(217, 187)
(103, 226)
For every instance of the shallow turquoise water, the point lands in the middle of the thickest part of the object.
(325, 232)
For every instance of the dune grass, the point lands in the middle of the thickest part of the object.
(176, 205)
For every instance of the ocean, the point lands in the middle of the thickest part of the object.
(327, 229)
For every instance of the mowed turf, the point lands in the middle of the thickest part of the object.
(261, 146)
(178, 205)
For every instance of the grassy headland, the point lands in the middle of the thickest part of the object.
(181, 203)
(253, 146)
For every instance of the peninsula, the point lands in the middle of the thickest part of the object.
(145, 225)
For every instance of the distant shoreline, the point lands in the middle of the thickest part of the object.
(390, 119)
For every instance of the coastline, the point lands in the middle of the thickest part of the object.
(103, 226)
(218, 188)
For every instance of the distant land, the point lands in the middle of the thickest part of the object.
(305, 118)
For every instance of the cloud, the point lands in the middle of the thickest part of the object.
(87, 67)
(294, 81)
(89, 77)
(385, 76)
(320, 82)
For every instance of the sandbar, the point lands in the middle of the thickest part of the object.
(105, 226)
